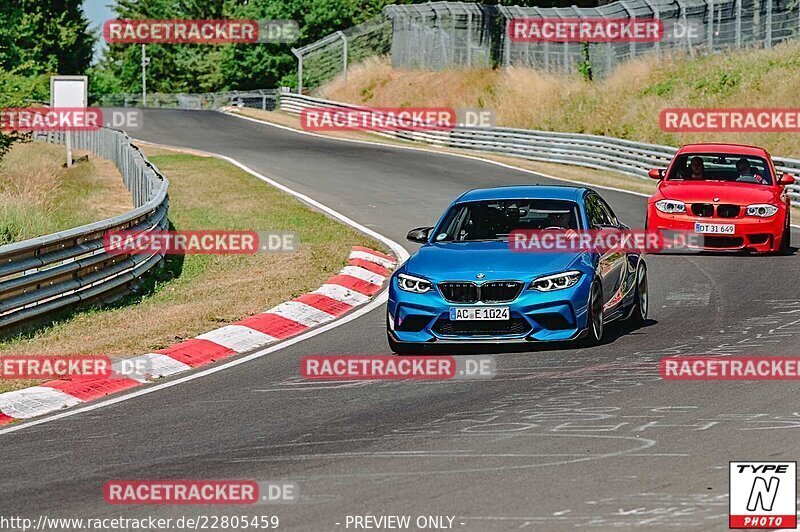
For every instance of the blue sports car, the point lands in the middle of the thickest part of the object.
(466, 285)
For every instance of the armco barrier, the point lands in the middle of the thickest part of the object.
(49, 273)
(590, 151)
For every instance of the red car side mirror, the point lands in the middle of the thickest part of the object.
(656, 173)
(787, 179)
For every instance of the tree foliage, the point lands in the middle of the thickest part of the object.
(209, 68)
(39, 38)
(44, 36)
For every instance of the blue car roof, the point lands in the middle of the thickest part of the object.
(554, 192)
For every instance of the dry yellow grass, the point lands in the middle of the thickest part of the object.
(39, 196)
(624, 104)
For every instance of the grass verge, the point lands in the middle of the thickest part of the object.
(197, 293)
(625, 104)
(39, 196)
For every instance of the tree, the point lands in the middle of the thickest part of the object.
(173, 67)
(44, 36)
(210, 68)
(38, 38)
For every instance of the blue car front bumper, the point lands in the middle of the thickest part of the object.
(534, 316)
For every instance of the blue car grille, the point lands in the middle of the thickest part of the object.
(515, 326)
(491, 292)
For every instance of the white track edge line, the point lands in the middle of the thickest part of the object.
(376, 302)
(448, 153)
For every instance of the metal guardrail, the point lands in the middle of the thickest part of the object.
(590, 151)
(49, 273)
(263, 99)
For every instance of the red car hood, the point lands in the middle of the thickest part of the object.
(727, 192)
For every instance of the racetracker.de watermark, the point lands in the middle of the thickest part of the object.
(54, 366)
(730, 120)
(187, 31)
(393, 118)
(705, 368)
(28, 119)
(194, 492)
(369, 367)
(589, 30)
(602, 241)
(198, 242)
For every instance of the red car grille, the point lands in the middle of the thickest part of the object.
(709, 210)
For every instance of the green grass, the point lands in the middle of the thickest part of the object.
(197, 293)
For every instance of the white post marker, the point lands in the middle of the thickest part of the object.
(69, 91)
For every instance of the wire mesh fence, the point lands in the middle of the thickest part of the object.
(329, 57)
(694, 27)
(440, 35)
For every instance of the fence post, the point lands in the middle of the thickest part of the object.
(768, 24)
(452, 15)
(710, 25)
(344, 53)
(299, 57)
(469, 38)
(507, 42)
(656, 16)
(632, 16)
(738, 26)
(520, 14)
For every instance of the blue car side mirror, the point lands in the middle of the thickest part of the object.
(419, 235)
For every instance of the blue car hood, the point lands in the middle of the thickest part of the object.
(464, 260)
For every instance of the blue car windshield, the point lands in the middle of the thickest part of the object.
(496, 219)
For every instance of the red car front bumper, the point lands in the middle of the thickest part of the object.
(761, 235)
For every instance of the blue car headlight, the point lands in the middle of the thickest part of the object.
(558, 281)
(417, 285)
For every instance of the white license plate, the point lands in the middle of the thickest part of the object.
(479, 313)
(714, 229)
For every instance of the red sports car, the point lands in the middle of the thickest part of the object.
(726, 195)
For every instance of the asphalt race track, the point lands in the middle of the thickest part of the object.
(561, 439)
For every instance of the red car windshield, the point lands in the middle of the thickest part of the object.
(721, 167)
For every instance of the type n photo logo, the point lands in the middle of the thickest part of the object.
(763, 495)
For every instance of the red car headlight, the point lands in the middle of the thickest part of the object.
(762, 210)
(671, 206)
